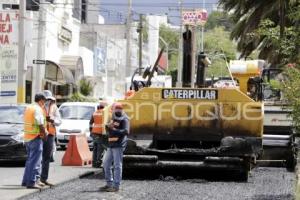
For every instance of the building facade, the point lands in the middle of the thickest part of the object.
(54, 59)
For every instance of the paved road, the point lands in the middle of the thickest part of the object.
(11, 177)
(263, 184)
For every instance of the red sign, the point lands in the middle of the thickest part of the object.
(8, 24)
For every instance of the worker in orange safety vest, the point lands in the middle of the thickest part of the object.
(96, 129)
(34, 134)
(53, 119)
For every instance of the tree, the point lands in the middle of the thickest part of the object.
(217, 19)
(220, 49)
(291, 44)
(85, 90)
(172, 38)
(217, 45)
(291, 90)
(248, 14)
(85, 87)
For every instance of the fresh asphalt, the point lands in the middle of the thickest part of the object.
(263, 184)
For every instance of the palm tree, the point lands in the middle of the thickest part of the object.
(248, 14)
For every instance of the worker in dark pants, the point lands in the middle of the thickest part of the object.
(34, 135)
(96, 126)
(118, 129)
(53, 119)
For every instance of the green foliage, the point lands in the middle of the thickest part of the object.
(220, 49)
(217, 19)
(217, 45)
(171, 37)
(85, 90)
(286, 46)
(85, 87)
(173, 74)
(217, 41)
(217, 69)
(248, 15)
(275, 84)
(291, 90)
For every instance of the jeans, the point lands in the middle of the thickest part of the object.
(98, 148)
(113, 157)
(34, 150)
(47, 153)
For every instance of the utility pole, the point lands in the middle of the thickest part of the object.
(202, 30)
(21, 54)
(193, 56)
(140, 30)
(40, 68)
(128, 45)
(179, 65)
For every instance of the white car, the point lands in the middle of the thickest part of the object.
(75, 118)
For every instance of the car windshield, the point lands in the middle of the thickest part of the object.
(11, 114)
(76, 112)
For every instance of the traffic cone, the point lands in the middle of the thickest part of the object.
(78, 152)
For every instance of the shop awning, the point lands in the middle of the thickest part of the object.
(73, 63)
(56, 72)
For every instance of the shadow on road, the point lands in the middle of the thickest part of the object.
(12, 163)
(195, 176)
(192, 176)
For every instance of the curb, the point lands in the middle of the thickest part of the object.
(80, 176)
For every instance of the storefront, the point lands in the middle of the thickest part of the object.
(59, 80)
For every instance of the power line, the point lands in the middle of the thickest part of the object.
(133, 4)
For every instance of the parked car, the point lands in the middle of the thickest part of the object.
(75, 118)
(12, 147)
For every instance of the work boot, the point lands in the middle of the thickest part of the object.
(104, 188)
(47, 183)
(112, 189)
(39, 183)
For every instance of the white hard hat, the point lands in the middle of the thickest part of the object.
(48, 95)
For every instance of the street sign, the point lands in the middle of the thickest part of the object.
(194, 17)
(39, 62)
(7, 93)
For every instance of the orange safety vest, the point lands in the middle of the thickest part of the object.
(98, 122)
(31, 127)
(50, 127)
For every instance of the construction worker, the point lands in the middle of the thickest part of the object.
(96, 126)
(53, 119)
(118, 129)
(34, 134)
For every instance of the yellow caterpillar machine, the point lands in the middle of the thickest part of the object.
(201, 128)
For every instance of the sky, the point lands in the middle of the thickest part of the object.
(115, 11)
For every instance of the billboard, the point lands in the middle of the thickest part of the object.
(8, 73)
(194, 17)
(100, 60)
(8, 56)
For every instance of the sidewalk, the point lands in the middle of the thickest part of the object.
(11, 177)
